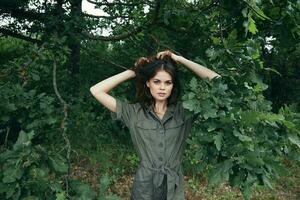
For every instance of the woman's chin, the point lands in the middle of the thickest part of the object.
(161, 98)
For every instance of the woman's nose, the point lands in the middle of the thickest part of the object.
(162, 86)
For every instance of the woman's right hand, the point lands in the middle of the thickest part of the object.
(141, 61)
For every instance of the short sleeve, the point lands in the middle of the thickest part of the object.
(125, 112)
(188, 117)
(185, 113)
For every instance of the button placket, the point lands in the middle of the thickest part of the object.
(161, 143)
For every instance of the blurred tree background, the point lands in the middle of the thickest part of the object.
(58, 142)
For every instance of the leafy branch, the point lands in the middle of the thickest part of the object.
(222, 40)
(134, 31)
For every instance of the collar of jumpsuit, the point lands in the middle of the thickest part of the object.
(168, 114)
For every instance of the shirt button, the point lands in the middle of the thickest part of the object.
(161, 144)
(160, 159)
(161, 131)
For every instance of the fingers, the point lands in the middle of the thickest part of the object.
(164, 54)
(141, 61)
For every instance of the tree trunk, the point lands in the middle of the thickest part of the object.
(74, 38)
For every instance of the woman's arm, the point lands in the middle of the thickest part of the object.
(101, 89)
(198, 69)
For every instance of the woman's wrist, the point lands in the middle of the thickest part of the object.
(176, 58)
(131, 73)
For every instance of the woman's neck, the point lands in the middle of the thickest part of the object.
(160, 107)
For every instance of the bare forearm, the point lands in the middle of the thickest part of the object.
(111, 82)
(198, 69)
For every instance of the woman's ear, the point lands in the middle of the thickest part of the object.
(147, 83)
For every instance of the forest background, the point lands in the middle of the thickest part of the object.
(58, 142)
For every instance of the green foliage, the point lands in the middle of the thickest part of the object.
(81, 191)
(29, 171)
(105, 182)
(34, 111)
(238, 135)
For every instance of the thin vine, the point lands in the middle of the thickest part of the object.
(63, 127)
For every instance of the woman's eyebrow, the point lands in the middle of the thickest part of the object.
(160, 80)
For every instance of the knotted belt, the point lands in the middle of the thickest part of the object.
(172, 176)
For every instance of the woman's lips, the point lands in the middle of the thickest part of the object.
(161, 94)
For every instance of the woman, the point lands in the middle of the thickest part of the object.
(158, 123)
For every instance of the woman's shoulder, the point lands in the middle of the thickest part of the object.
(182, 111)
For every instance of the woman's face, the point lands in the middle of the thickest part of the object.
(160, 85)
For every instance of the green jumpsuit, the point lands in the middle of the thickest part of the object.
(160, 145)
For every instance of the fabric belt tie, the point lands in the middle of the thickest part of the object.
(172, 176)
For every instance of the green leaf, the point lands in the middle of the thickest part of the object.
(58, 164)
(82, 190)
(24, 139)
(294, 139)
(266, 180)
(216, 40)
(212, 54)
(243, 138)
(39, 173)
(260, 87)
(35, 77)
(272, 70)
(10, 107)
(218, 141)
(11, 175)
(254, 159)
(220, 173)
(191, 104)
(193, 84)
(251, 26)
(104, 182)
(61, 196)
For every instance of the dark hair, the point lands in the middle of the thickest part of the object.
(145, 69)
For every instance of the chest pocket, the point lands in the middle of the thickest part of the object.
(146, 125)
(174, 129)
(174, 124)
(147, 131)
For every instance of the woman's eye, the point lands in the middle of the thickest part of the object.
(156, 82)
(168, 83)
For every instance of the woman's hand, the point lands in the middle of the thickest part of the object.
(139, 62)
(167, 54)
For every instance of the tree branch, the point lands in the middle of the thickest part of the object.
(132, 32)
(257, 13)
(159, 43)
(7, 32)
(22, 14)
(112, 4)
(104, 60)
(199, 9)
(230, 54)
(107, 17)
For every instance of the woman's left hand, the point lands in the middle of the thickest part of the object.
(167, 54)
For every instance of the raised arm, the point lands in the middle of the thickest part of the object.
(198, 69)
(101, 89)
